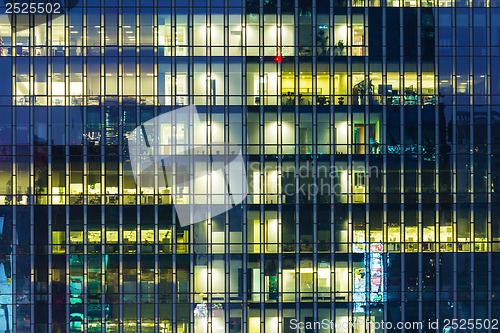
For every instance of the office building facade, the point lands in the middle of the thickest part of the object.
(369, 131)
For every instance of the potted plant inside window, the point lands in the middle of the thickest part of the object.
(340, 47)
(322, 42)
(323, 100)
(362, 90)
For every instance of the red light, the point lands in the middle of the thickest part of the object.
(278, 55)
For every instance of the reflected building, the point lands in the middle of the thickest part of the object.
(369, 132)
